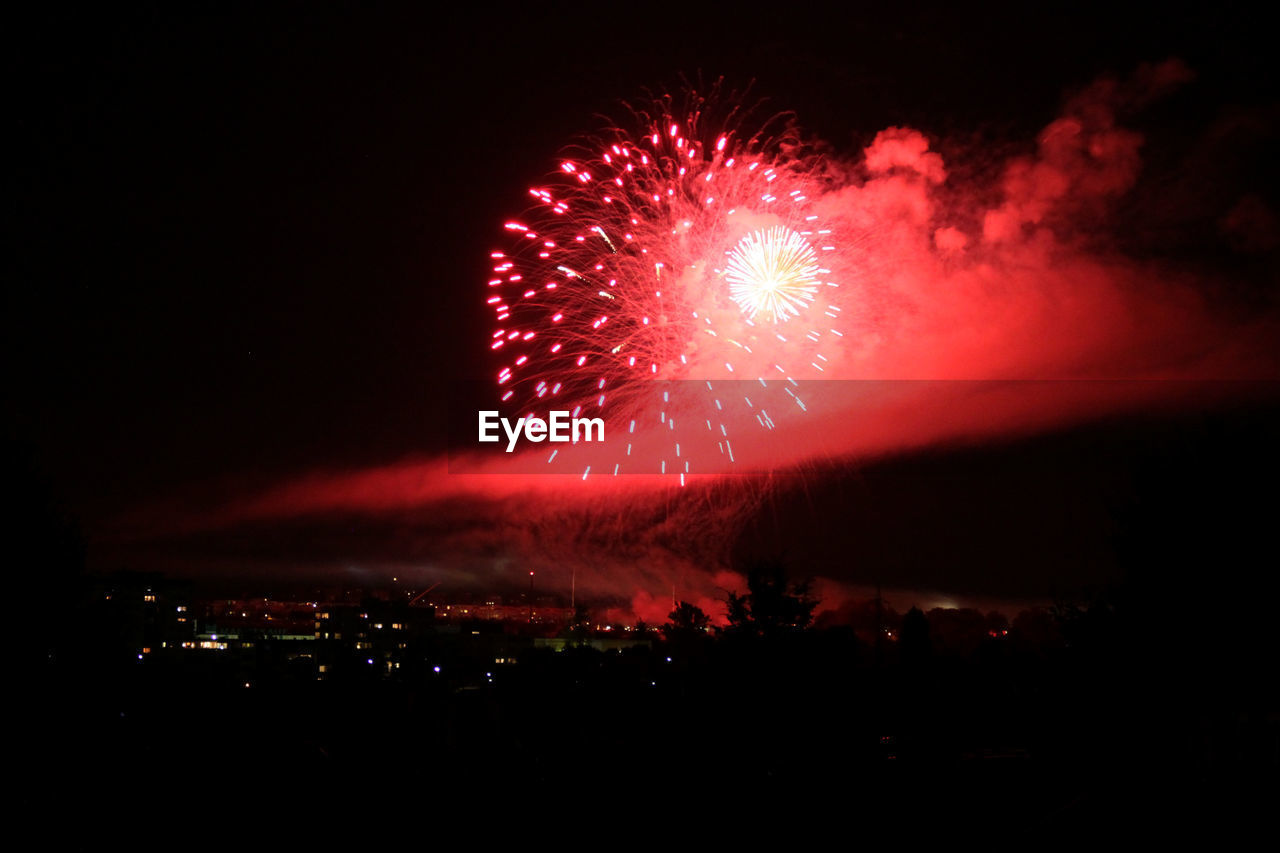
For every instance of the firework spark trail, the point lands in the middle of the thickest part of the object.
(686, 252)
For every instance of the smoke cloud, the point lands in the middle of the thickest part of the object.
(994, 297)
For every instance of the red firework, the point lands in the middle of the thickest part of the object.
(686, 252)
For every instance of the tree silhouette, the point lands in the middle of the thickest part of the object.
(915, 645)
(772, 606)
(686, 622)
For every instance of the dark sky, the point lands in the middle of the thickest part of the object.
(249, 243)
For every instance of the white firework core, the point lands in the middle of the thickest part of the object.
(772, 272)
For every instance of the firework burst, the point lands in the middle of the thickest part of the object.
(686, 251)
(774, 272)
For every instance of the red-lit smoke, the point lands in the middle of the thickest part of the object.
(960, 299)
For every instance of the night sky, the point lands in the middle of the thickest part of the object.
(251, 246)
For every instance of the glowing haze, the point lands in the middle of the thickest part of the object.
(696, 246)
